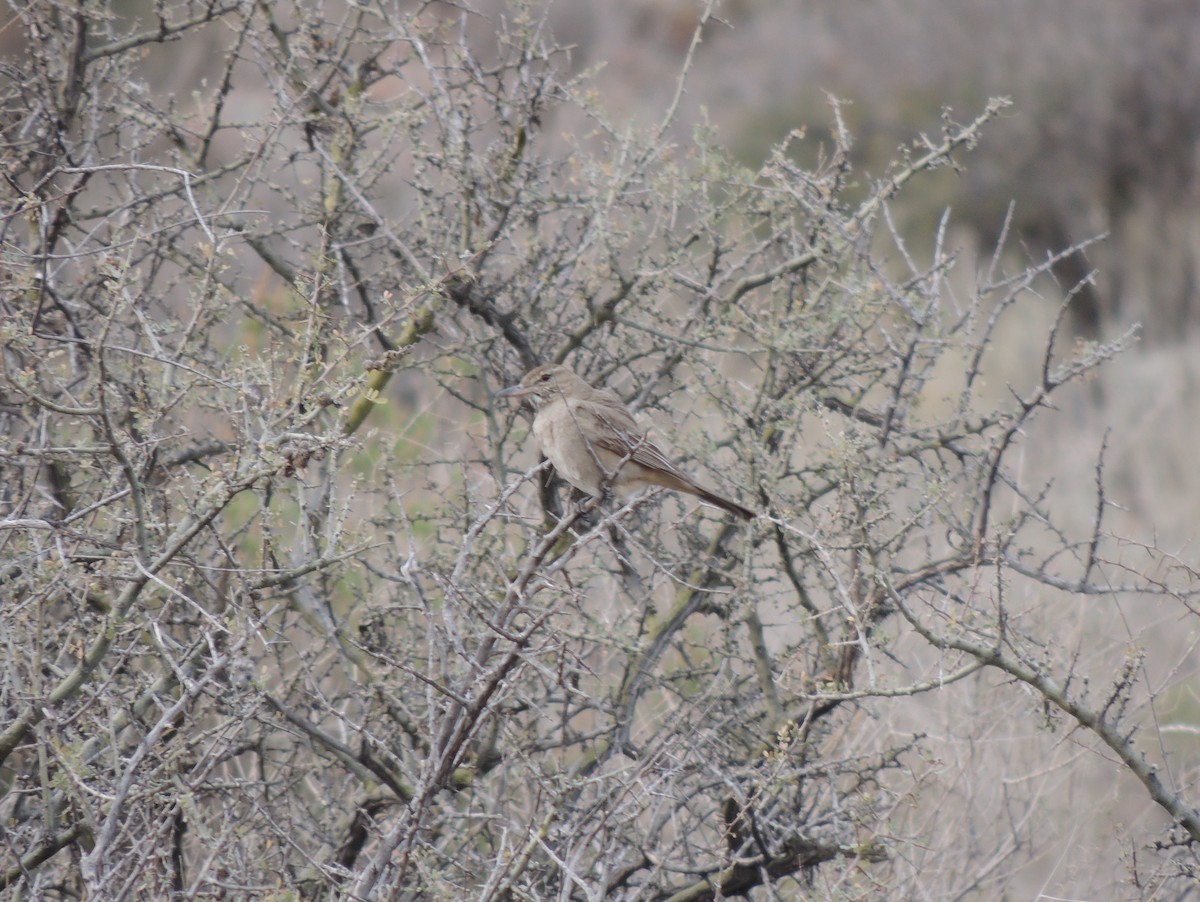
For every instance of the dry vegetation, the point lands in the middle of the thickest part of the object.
(290, 609)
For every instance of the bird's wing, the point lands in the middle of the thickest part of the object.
(611, 427)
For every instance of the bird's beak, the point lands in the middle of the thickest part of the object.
(514, 391)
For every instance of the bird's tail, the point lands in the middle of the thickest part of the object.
(725, 504)
(674, 479)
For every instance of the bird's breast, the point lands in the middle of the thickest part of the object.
(558, 430)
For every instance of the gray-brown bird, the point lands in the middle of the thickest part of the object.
(587, 433)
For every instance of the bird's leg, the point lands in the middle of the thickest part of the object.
(585, 507)
(578, 500)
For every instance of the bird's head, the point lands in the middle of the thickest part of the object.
(542, 383)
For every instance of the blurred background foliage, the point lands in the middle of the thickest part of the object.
(1103, 135)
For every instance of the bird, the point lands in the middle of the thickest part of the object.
(593, 441)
